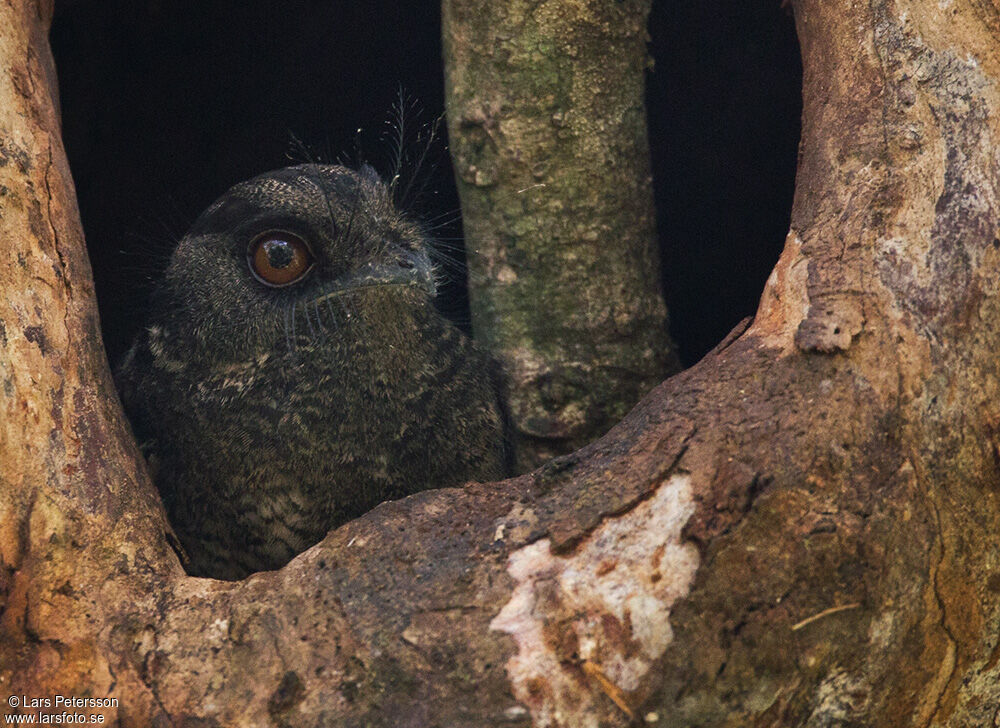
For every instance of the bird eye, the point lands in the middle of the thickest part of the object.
(278, 258)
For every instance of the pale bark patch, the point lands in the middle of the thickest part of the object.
(785, 301)
(612, 595)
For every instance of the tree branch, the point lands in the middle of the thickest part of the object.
(840, 451)
(548, 135)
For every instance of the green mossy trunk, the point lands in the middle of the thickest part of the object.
(548, 137)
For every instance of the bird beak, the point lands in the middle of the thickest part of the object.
(408, 268)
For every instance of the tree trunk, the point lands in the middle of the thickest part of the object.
(548, 136)
(800, 530)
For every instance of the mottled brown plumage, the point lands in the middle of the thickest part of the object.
(270, 414)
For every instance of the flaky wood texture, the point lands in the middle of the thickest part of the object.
(800, 530)
(548, 136)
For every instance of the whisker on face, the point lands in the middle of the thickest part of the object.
(346, 310)
(443, 220)
(454, 269)
(309, 323)
(333, 314)
(288, 313)
(412, 191)
(324, 331)
(349, 233)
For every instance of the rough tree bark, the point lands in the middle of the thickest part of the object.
(800, 530)
(548, 136)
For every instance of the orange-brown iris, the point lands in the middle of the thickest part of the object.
(279, 258)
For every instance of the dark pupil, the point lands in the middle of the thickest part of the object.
(280, 253)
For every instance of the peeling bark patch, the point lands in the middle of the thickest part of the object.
(840, 699)
(784, 303)
(606, 605)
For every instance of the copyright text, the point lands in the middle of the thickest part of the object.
(56, 710)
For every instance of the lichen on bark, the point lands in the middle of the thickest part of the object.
(548, 136)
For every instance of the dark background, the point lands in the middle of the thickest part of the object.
(167, 104)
